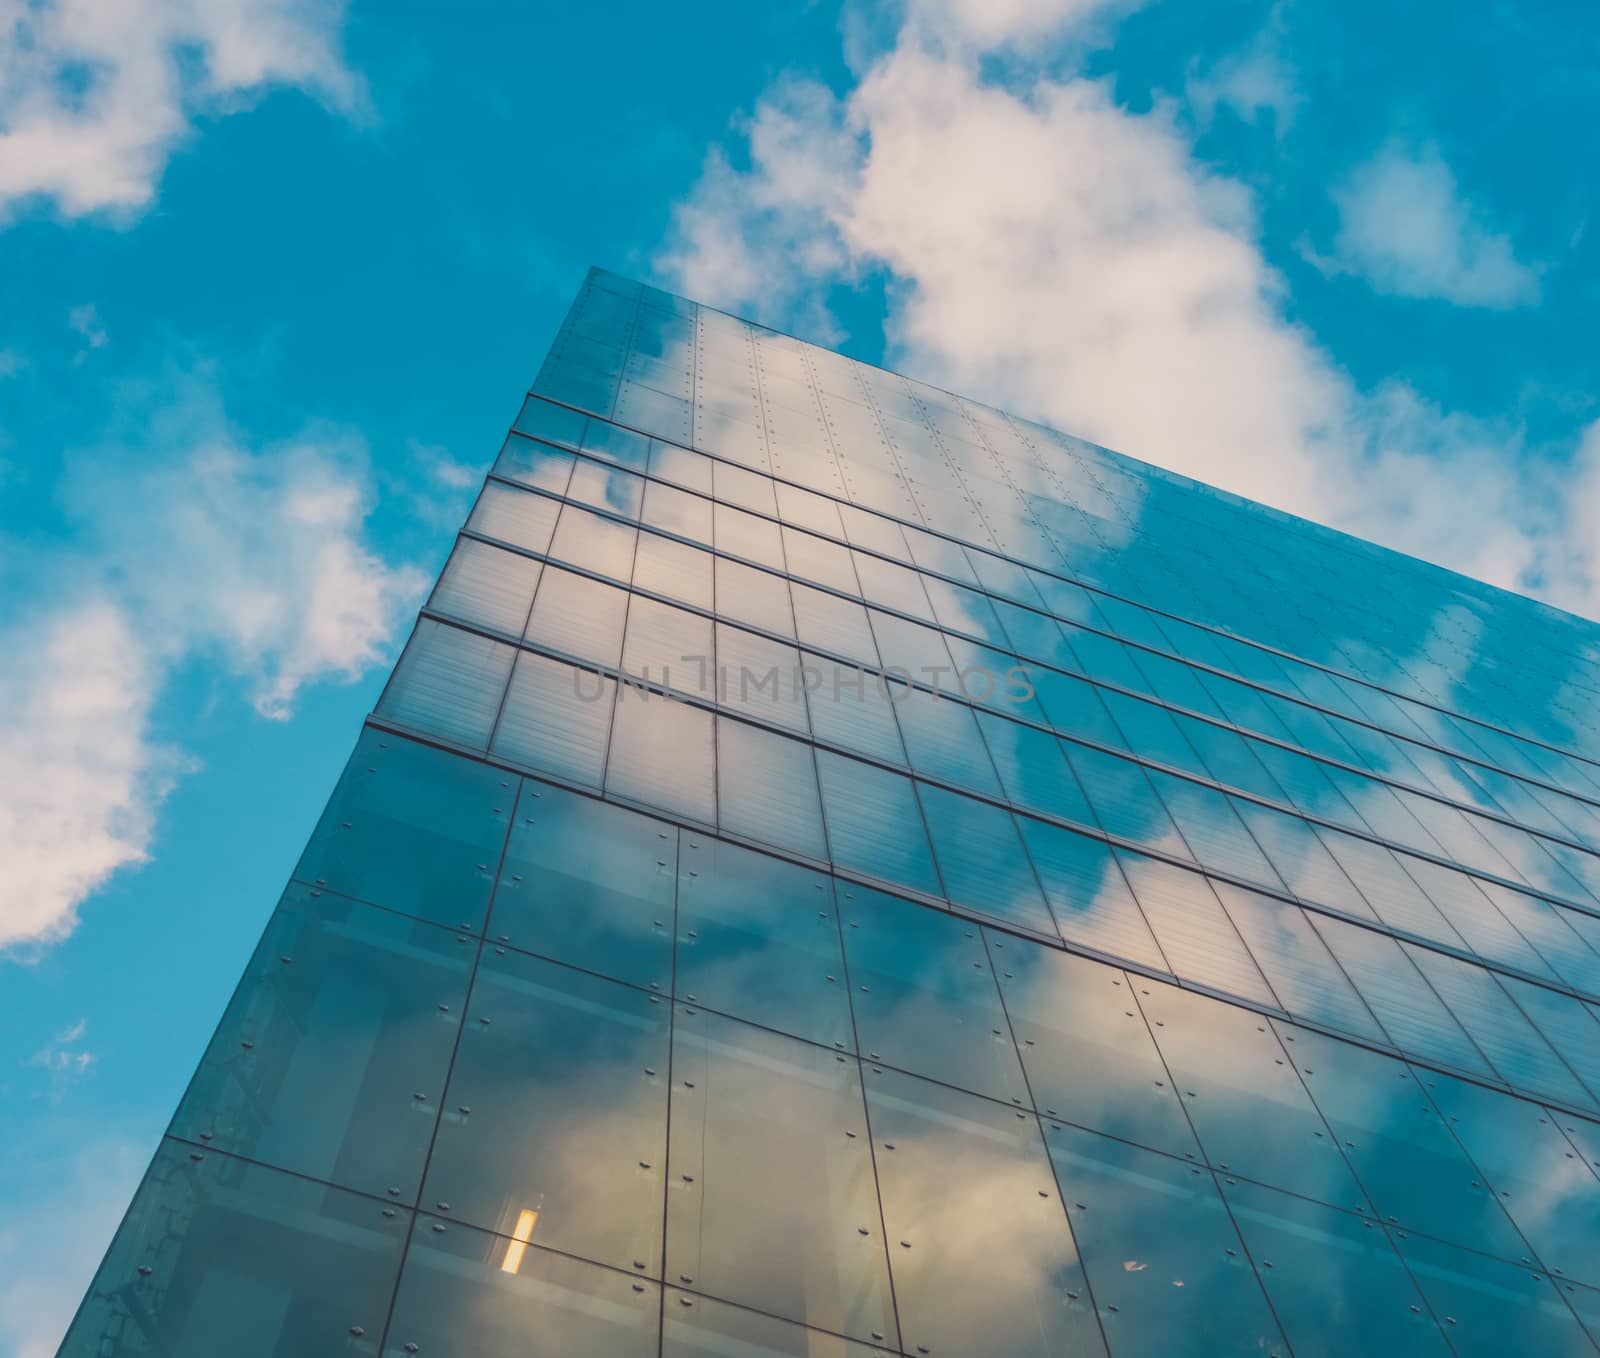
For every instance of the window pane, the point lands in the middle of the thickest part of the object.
(767, 789)
(676, 511)
(1087, 894)
(874, 824)
(745, 535)
(1413, 1170)
(515, 517)
(1494, 1308)
(760, 678)
(594, 543)
(1295, 959)
(1550, 1194)
(668, 646)
(674, 569)
(535, 464)
(484, 585)
(1335, 1282)
(913, 651)
(564, 1143)
(1301, 860)
(1215, 835)
(1088, 1053)
(768, 1196)
(827, 563)
(1161, 1252)
(991, 1270)
(556, 719)
(412, 828)
(514, 1299)
(662, 756)
(331, 1058)
(1194, 933)
(982, 861)
(1124, 802)
(578, 617)
(758, 938)
(924, 995)
(609, 488)
(220, 1256)
(1034, 770)
(589, 884)
(752, 596)
(853, 708)
(830, 623)
(448, 683)
(1417, 1023)
(701, 1327)
(541, 419)
(943, 741)
(1249, 1109)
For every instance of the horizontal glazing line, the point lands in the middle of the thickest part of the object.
(1000, 803)
(1095, 589)
(675, 1285)
(379, 722)
(1110, 686)
(1131, 756)
(1203, 667)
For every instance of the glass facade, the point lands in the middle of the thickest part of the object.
(840, 870)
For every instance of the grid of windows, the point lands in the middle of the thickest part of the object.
(829, 875)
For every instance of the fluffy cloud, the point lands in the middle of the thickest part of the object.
(193, 545)
(95, 94)
(1405, 228)
(1058, 255)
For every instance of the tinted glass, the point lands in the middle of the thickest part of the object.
(991, 1270)
(758, 937)
(514, 1300)
(1168, 1271)
(413, 829)
(766, 1129)
(332, 1057)
(555, 1122)
(220, 1256)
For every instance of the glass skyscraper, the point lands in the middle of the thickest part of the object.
(839, 870)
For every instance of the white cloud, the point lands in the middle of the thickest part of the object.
(193, 545)
(1405, 228)
(1059, 256)
(1251, 82)
(95, 94)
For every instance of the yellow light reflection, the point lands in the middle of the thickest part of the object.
(526, 1221)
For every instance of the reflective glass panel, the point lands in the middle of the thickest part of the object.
(555, 1124)
(1335, 1281)
(448, 683)
(556, 719)
(331, 1059)
(767, 789)
(515, 517)
(1087, 894)
(579, 617)
(662, 755)
(924, 995)
(219, 1256)
(589, 884)
(1087, 1050)
(770, 1198)
(1414, 1171)
(992, 1269)
(981, 860)
(758, 938)
(509, 1299)
(414, 829)
(1161, 1252)
(875, 824)
(1250, 1111)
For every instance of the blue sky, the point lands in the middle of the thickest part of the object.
(275, 272)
